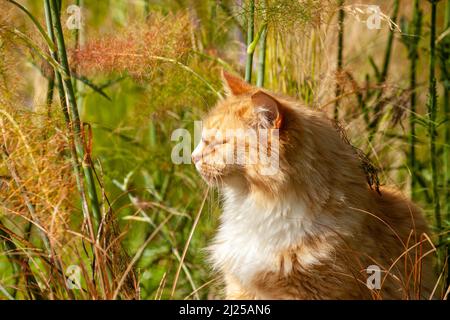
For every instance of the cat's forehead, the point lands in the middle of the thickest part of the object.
(228, 113)
(222, 124)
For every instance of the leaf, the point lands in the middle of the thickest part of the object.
(92, 85)
(375, 68)
(111, 82)
(55, 64)
(442, 122)
(49, 41)
(251, 48)
(422, 122)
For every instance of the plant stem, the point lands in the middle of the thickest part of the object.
(79, 41)
(432, 111)
(414, 56)
(383, 75)
(20, 265)
(50, 90)
(57, 75)
(387, 54)
(445, 52)
(62, 97)
(146, 8)
(339, 56)
(75, 123)
(250, 35)
(262, 48)
(8, 251)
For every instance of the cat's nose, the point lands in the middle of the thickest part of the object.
(196, 157)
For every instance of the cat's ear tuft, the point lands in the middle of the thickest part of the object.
(233, 85)
(267, 109)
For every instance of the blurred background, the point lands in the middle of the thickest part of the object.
(91, 204)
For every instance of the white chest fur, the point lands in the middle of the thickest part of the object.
(252, 235)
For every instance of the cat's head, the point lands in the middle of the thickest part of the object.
(276, 145)
(242, 137)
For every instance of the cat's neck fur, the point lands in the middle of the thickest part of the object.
(255, 230)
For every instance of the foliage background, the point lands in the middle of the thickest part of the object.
(154, 66)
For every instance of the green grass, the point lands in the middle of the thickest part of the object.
(143, 198)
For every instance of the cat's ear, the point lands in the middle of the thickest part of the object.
(233, 85)
(267, 110)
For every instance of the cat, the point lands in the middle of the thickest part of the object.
(314, 229)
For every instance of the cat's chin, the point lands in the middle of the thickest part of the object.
(212, 180)
(233, 181)
(222, 181)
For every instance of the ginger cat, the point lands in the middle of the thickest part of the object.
(312, 229)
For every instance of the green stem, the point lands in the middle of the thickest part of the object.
(362, 100)
(75, 123)
(445, 53)
(62, 97)
(50, 90)
(79, 41)
(414, 56)
(57, 75)
(339, 56)
(250, 35)
(387, 54)
(146, 8)
(20, 265)
(262, 48)
(9, 251)
(383, 75)
(432, 111)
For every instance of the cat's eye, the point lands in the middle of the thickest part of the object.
(213, 143)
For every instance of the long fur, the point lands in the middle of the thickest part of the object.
(312, 230)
